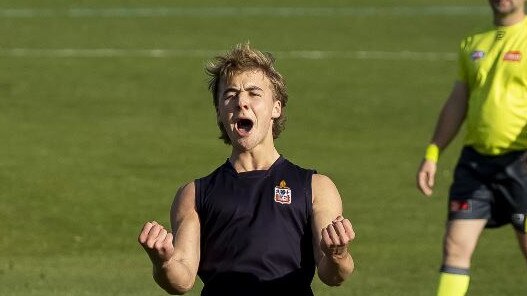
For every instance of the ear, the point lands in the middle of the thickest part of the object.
(277, 109)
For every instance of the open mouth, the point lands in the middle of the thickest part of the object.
(244, 125)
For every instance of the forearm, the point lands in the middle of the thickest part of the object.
(333, 271)
(447, 127)
(174, 276)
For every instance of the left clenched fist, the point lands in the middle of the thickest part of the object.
(336, 237)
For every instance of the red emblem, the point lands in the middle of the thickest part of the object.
(513, 56)
(460, 206)
(282, 193)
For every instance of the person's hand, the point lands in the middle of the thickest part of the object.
(336, 237)
(157, 242)
(426, 177)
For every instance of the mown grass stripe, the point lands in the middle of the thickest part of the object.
(202, 53)
(405, 11)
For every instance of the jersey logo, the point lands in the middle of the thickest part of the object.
(460, 206)
(282, 193)
(477, 54)
(513, 56)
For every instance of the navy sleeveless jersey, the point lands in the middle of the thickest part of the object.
(256, 230)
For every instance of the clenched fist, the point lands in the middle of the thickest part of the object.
(157, 242)
(336, 237)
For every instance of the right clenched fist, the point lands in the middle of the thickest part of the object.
(157, 242)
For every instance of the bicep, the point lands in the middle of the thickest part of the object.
(327, 205)
(186, 226)
(452, 115)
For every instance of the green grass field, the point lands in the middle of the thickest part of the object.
(97, 131)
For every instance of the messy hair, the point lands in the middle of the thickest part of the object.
(240, 59)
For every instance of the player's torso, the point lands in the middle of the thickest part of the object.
(495, 63)
(256, 222)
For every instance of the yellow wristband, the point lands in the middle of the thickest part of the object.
(432, 153)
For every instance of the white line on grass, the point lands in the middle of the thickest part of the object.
(202, 53)
(244, 11)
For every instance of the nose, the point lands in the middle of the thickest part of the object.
(243, 101)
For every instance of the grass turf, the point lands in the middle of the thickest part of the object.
(94, 146)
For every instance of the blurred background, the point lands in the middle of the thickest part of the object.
(105, 112)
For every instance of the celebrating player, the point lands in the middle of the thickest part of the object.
(258, 224)
(490, 179)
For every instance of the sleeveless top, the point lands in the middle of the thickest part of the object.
(256, 230)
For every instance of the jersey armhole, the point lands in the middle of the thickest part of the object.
(309, 191)
(197, 197)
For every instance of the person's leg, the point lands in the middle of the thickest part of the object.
(514, 190)
(469, 211)
(459, 244)
(522, 240)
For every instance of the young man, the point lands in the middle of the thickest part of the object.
(258, 224)
(490, 180)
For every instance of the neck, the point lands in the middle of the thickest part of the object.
(256, 159)
(509, 19)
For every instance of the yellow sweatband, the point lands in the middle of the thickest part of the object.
(432, 153)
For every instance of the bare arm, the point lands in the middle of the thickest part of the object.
(175, 256)
(452, 116)
(331, 233)
(450, 120)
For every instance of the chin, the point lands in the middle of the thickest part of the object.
(243, 144)
(502, 9)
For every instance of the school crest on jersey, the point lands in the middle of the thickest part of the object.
(282, 193)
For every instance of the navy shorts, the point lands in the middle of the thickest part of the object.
(490, 187)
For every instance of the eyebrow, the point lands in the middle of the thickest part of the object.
(236, 90)
(254, 87)
(231, 89)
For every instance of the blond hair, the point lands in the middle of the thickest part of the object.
(240, 59)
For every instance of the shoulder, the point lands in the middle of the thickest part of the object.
(186, 190)
(324, 189)
(478, 36)
(287, 164)
(213, 173)
(185, 198)
(202, 182)
(322, 181)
